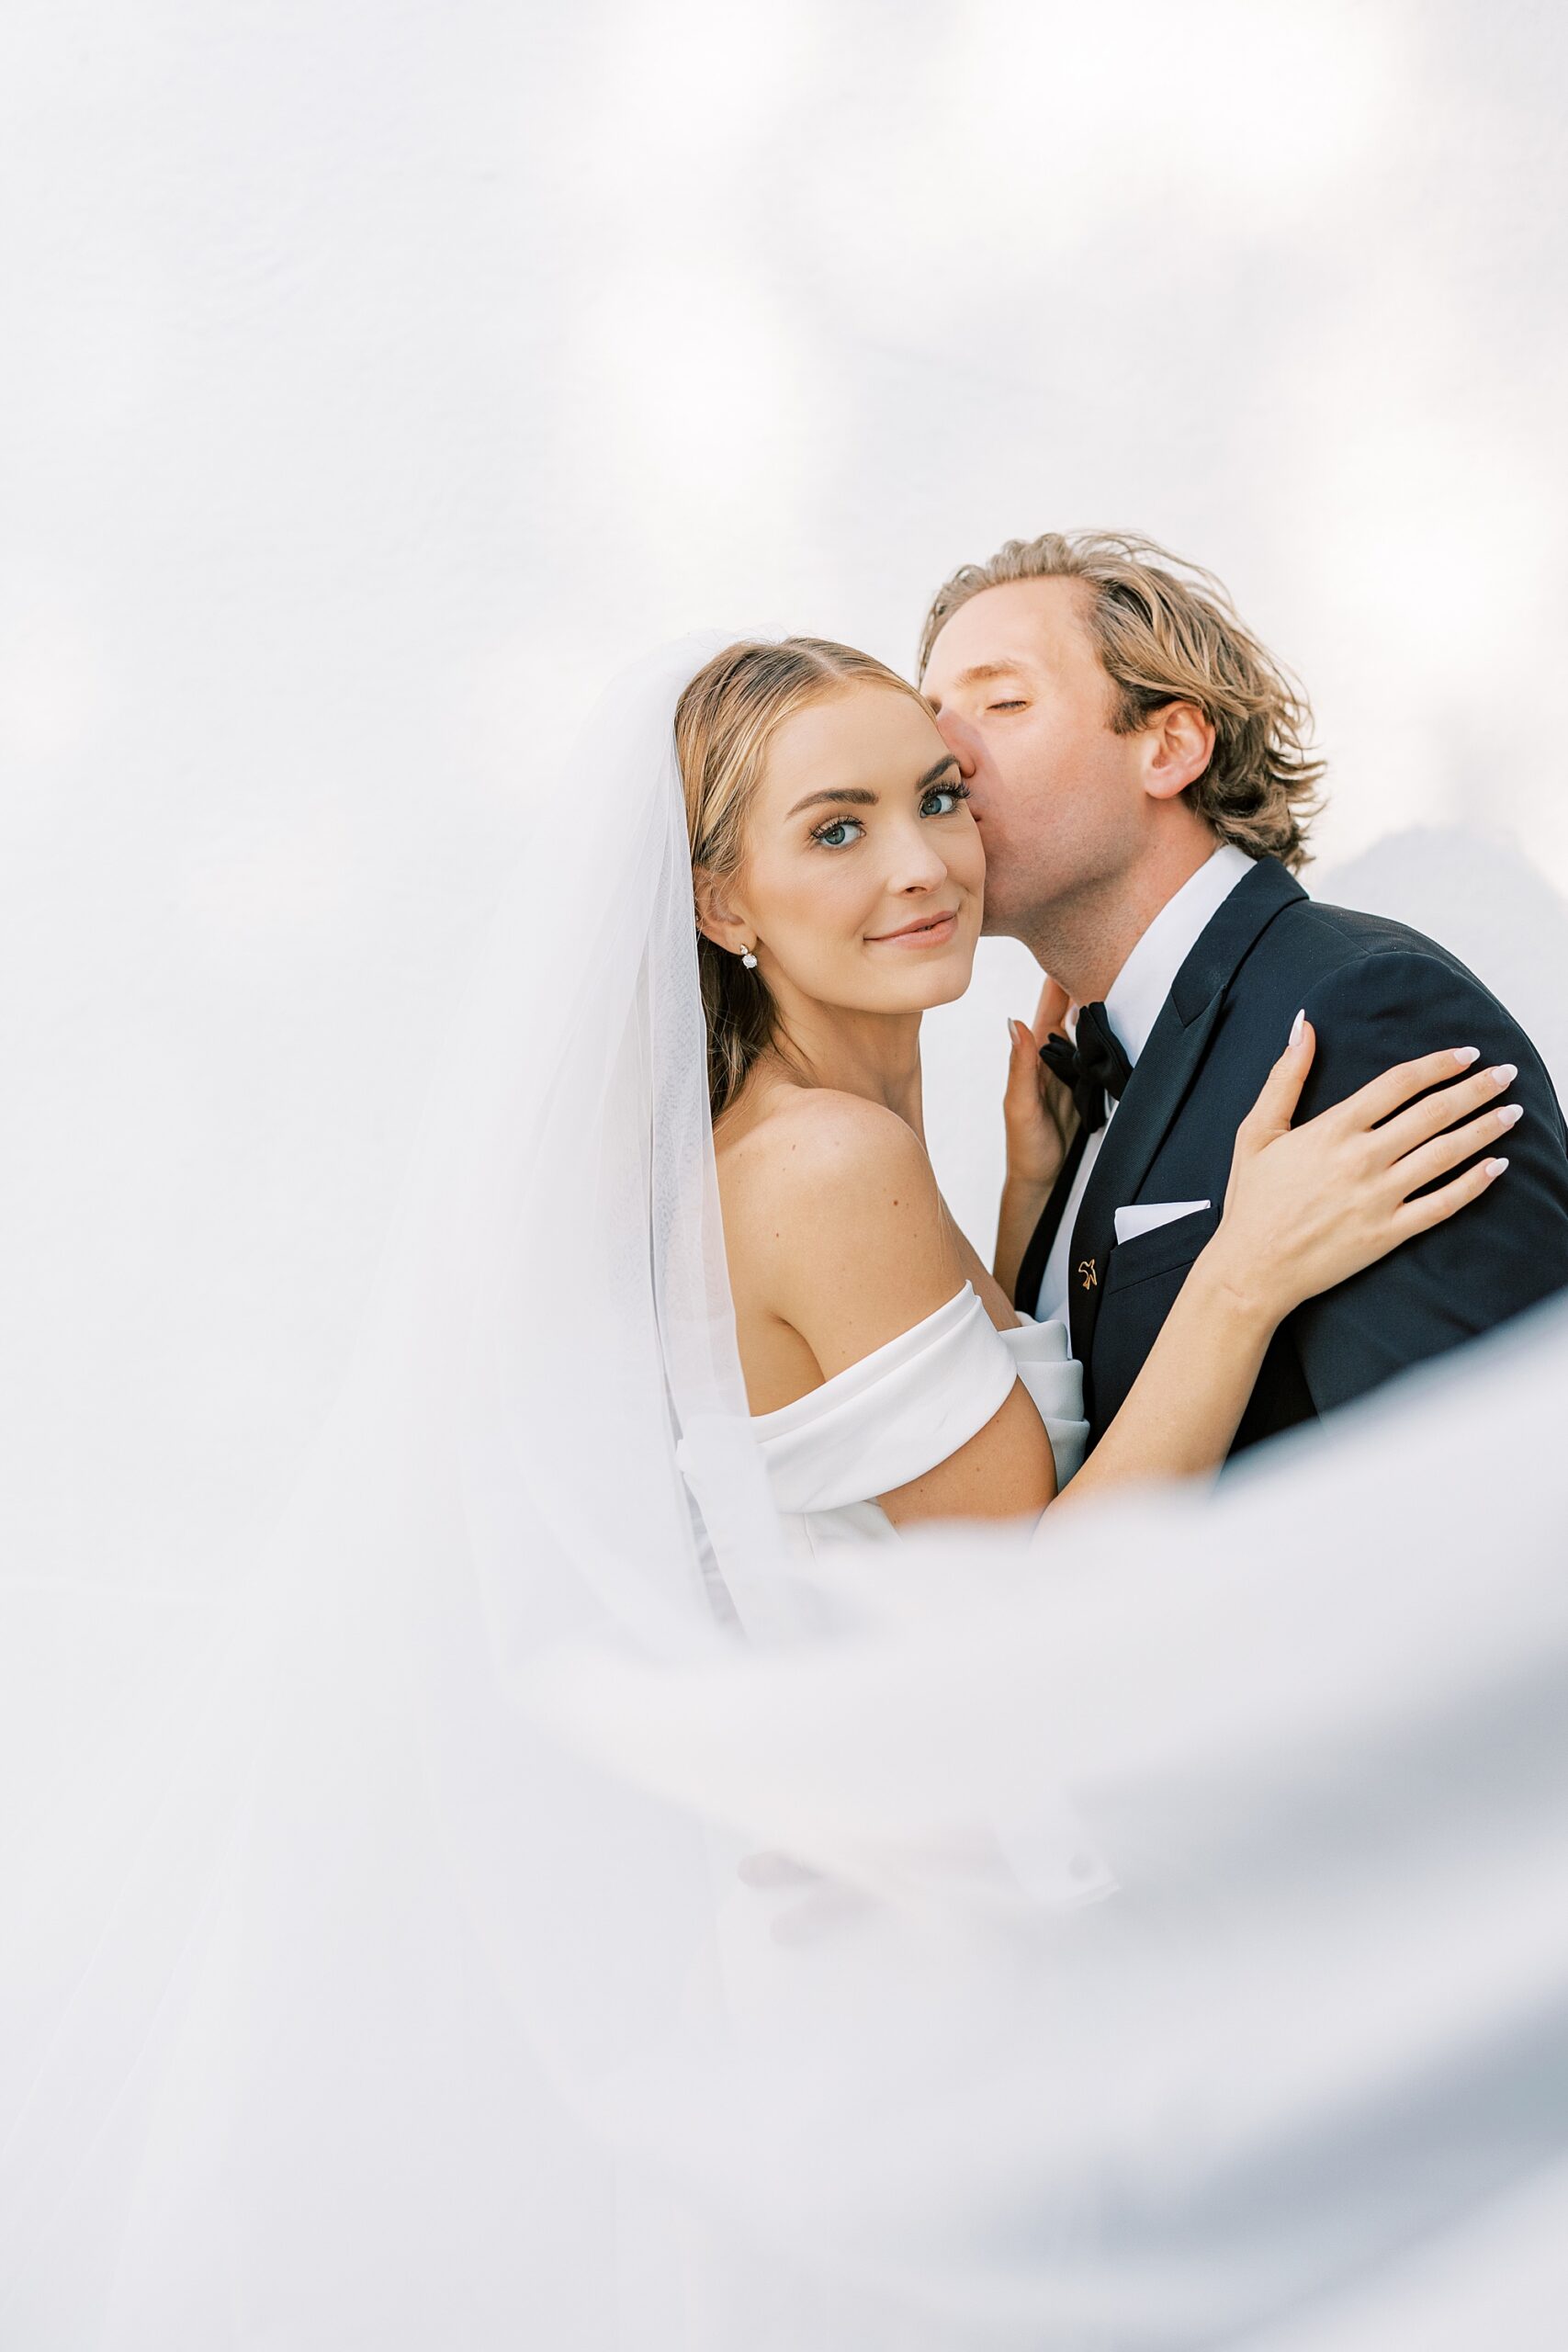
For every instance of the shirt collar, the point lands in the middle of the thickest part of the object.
(1144, 980)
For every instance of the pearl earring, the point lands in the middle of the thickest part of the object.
(748, 959)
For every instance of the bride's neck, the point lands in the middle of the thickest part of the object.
(875, 1054)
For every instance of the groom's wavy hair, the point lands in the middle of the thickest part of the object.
(725, 720)
(1166, 631)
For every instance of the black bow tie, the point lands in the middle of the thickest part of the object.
(1094, 1065)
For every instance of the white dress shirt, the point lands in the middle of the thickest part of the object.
(1132, 1006)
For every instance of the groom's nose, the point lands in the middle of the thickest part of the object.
(960, 737)
(964, 742)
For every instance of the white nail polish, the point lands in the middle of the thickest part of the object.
(1297, 1025)
(1505, 1073)
(1506, 1118)
(1465, 1055)
(1496, 1167)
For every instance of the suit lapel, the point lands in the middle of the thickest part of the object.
(1167, 1068)
(1165, 1071)
(1032, 1272)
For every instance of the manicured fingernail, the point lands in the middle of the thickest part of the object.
(1504, 1074)
(1506, 1118)
(1496, 1167)
(1297, 1025)
(1465, 1055)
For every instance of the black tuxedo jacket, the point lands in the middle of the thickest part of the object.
(1377, 994)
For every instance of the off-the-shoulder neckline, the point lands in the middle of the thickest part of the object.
(865, 1369)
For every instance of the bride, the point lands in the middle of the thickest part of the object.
(840, 879)
(347, 1998)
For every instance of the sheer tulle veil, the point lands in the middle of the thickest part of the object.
(318, 1949)
(376, 1969)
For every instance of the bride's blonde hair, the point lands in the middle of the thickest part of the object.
(725, 720)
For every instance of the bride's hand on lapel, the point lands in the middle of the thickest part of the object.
(1037, 1109)
(1307, 1208)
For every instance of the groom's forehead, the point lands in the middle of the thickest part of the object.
(1017, 628)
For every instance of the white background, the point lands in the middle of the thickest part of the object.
(378, 378)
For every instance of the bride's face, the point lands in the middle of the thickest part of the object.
(864, 877)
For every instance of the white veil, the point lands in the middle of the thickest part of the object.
(317, 1949)
(1303, 2079)
(375, 1967)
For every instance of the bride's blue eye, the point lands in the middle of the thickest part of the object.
(836, 825)
(952, 793)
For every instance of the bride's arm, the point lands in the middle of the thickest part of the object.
(1306, 1209)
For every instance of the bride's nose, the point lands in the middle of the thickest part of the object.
(919, 864)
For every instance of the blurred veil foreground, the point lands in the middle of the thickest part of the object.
(1304, 2067)
(1178, 1950)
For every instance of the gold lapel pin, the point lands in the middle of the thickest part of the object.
(1087, 1274)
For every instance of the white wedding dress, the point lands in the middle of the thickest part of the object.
(896, 1413)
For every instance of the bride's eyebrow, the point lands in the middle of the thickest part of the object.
(856, 796)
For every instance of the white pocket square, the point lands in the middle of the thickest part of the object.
(1149, 1215)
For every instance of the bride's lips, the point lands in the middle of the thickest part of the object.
(930, 931)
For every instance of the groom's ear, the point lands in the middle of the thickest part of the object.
(1179, 743)
(717, 918)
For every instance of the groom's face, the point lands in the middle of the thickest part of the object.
(1020, 695)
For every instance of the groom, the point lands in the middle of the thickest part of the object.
(1140, 770)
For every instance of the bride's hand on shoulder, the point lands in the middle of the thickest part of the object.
(1306, 1207)
(1037, 1109)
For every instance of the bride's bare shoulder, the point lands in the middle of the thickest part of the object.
(833, 1223)
(813, 1142)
